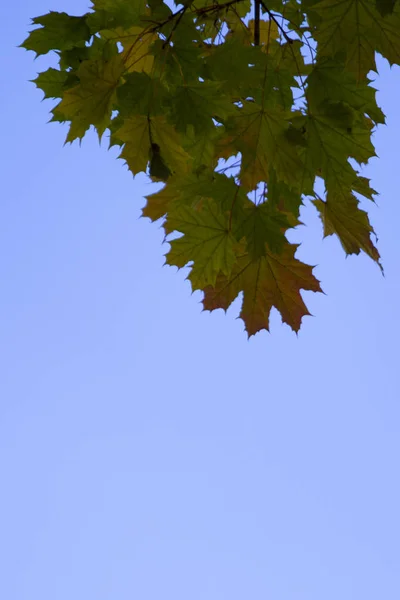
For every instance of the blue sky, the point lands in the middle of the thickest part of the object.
(147, 449)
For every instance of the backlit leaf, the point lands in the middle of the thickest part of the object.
(341, 216)
(271, 280)
(58, 31)
(207, 242)
(115, 13)
(242, 125)
(51, 82)
(91, 101)
(355, 29)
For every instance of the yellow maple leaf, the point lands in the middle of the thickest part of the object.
(268, 32)
(136, 43)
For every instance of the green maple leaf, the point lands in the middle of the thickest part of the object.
(242, 8)
(229, 63)
(355, 29)
(192, 191)
(58, 31)
(143, 137)
(202, 147)
(177, 64)
(293, 13)
(195, 99)
(330, 82)
(99, 49)
(51, 82)
(197, 104)
(158, 204)
(343, 131)
(134, 133)
(334, 133)
(171, 143)
(361, 185)
(109, 14)
(259, 134)
(141, 94)
(342, 216)
(271, 79)
(271, 280)
(159, 10)
(264, 228)
(91, 101)
(230, 196)
(284, 199)
(288, 56)
(207, 241)
(137, 42)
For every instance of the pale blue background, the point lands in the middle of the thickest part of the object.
(147, 450)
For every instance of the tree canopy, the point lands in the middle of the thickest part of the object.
(239, 108)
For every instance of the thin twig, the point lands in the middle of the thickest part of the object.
(273, 18)
(175, 25)
(158, 24)
(215, 7)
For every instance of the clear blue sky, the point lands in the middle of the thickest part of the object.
(147, 450)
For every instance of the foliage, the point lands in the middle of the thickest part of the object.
(239, 109)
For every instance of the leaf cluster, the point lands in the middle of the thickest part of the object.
(238, 108)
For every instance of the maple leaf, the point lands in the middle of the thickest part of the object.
(329, 81)
(238, 121)
(207, 241)
(51, 82)
(271, 280)
(134, 133)
(140, 134)
(157, 204)
(196, 104)
(284, 199)
(171, 144)
(264, 227)
(229, 63)
(242, 8)
(259, 134)
(224, 190)
(141, 94)
(334, 133)
(58, 31)
(90, 102)
(357, 30)
(137, 44)
(114, 13)
(179, 63)
(342, 216)
(195, 190)
(201, 146)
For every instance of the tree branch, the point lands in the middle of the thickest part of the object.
(257, 22)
